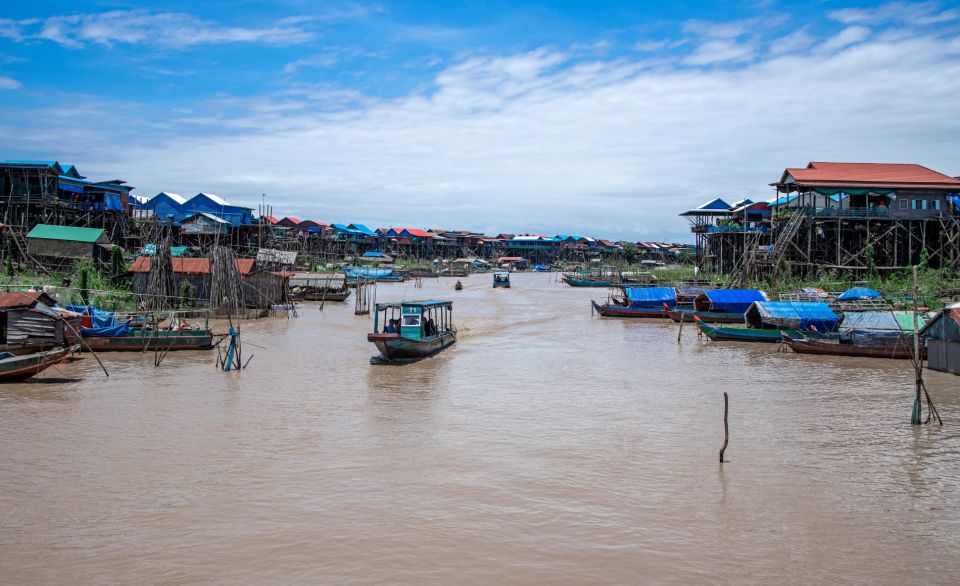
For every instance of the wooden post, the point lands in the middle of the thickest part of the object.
(726, 426)
(917, 364)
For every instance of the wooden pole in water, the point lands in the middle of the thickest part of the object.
(917, 365)
(680, 332)
(726, 425)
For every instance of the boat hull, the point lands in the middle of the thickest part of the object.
(394, 348)
(706, 316)
(615, 311)
(20, 368)
(339, 296)
(587, 283)
(808, 346)
(501, 285)
(721, 334)
(138, 342)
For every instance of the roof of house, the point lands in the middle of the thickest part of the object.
(189, 266)
(869, 175)
(207, 215)
(291, 220)
(69, 233)
(13, 299)
(174, 196)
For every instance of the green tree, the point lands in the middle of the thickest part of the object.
(924, 263)
(188, 292)
(85, 286)
(117, 266)
(869, 260)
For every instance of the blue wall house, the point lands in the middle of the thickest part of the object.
(214, 204)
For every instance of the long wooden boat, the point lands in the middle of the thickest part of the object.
(714, 317)
(574, 282)
(772, 336)
(808, 346)
(335, 295)
(425, 328)
(142, 341)
(18, 368)
(611, 310)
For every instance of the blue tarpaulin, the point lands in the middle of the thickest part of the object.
(792, 315)
(651, 296)
(366, 273)
(728, 300)
(107, 332)
(112, 202)
(859, 293)
(98, 319)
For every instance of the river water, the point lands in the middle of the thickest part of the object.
(547, 446)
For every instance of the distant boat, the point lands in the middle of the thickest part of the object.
(610, 310)
(894, 346)
(18, 368)
(425, 328)
(126, 339)
(501, 279)
(458, 286)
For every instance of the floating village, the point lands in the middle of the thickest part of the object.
(842, 259)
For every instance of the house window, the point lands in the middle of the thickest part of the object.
(917, 204)
(904, 204)
(934, 204)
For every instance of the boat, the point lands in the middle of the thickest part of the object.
(501, 279)
(411, 330)
(321, 294)
(773, 336)
(689, 315)
(639, 302)
(575, 282)
(458, 286)
(319, 287)
(895, 346)
(125, 339)
(18, 368)
(611, 310)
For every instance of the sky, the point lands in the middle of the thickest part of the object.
(604, 118)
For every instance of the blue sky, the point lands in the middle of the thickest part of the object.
(604, 118)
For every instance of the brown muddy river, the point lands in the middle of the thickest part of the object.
(546, 447)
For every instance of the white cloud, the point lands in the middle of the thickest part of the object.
(721, 51)
(848, 36)
(142, 27)
(537, 141)
(914, 13)
(795, 41)
(8, 83)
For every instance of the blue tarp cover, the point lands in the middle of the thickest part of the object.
(793, 315)
(366, 273)
(107, 332)
(859, 293)
(733, 300)
(99, 319)
(651, 296)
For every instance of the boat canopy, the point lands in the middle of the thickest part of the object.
(792, 315)
(640, 297)
(728, 300)
(424, 304)
(857, 293)
(880, 320)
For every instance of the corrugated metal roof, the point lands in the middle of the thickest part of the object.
(20, 298)
(870, 175)
(68, 233)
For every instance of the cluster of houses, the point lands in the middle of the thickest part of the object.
(40, 192)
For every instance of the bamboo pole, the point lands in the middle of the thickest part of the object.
(726, 425)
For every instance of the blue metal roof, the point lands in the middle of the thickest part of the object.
(372, 254)
(425, 303)
(363, 229)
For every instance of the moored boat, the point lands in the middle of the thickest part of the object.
(715, 317)
(18, 368)
(125, 339)
(896, 346)
(412, 330)
(772, 336)
(639, 302)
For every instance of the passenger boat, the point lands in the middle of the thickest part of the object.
(458, 286)
(639, 302)
(18, 368)
(125, 339)
(901, 348)
(768, 320)
(501, 279)
(412, 330)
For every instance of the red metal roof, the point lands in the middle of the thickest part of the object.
(871, 175)
(269, 219)
(19, 299)
(291, 220)
(190, 266)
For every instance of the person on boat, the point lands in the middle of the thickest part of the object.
(431, 328)
(391, 328)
